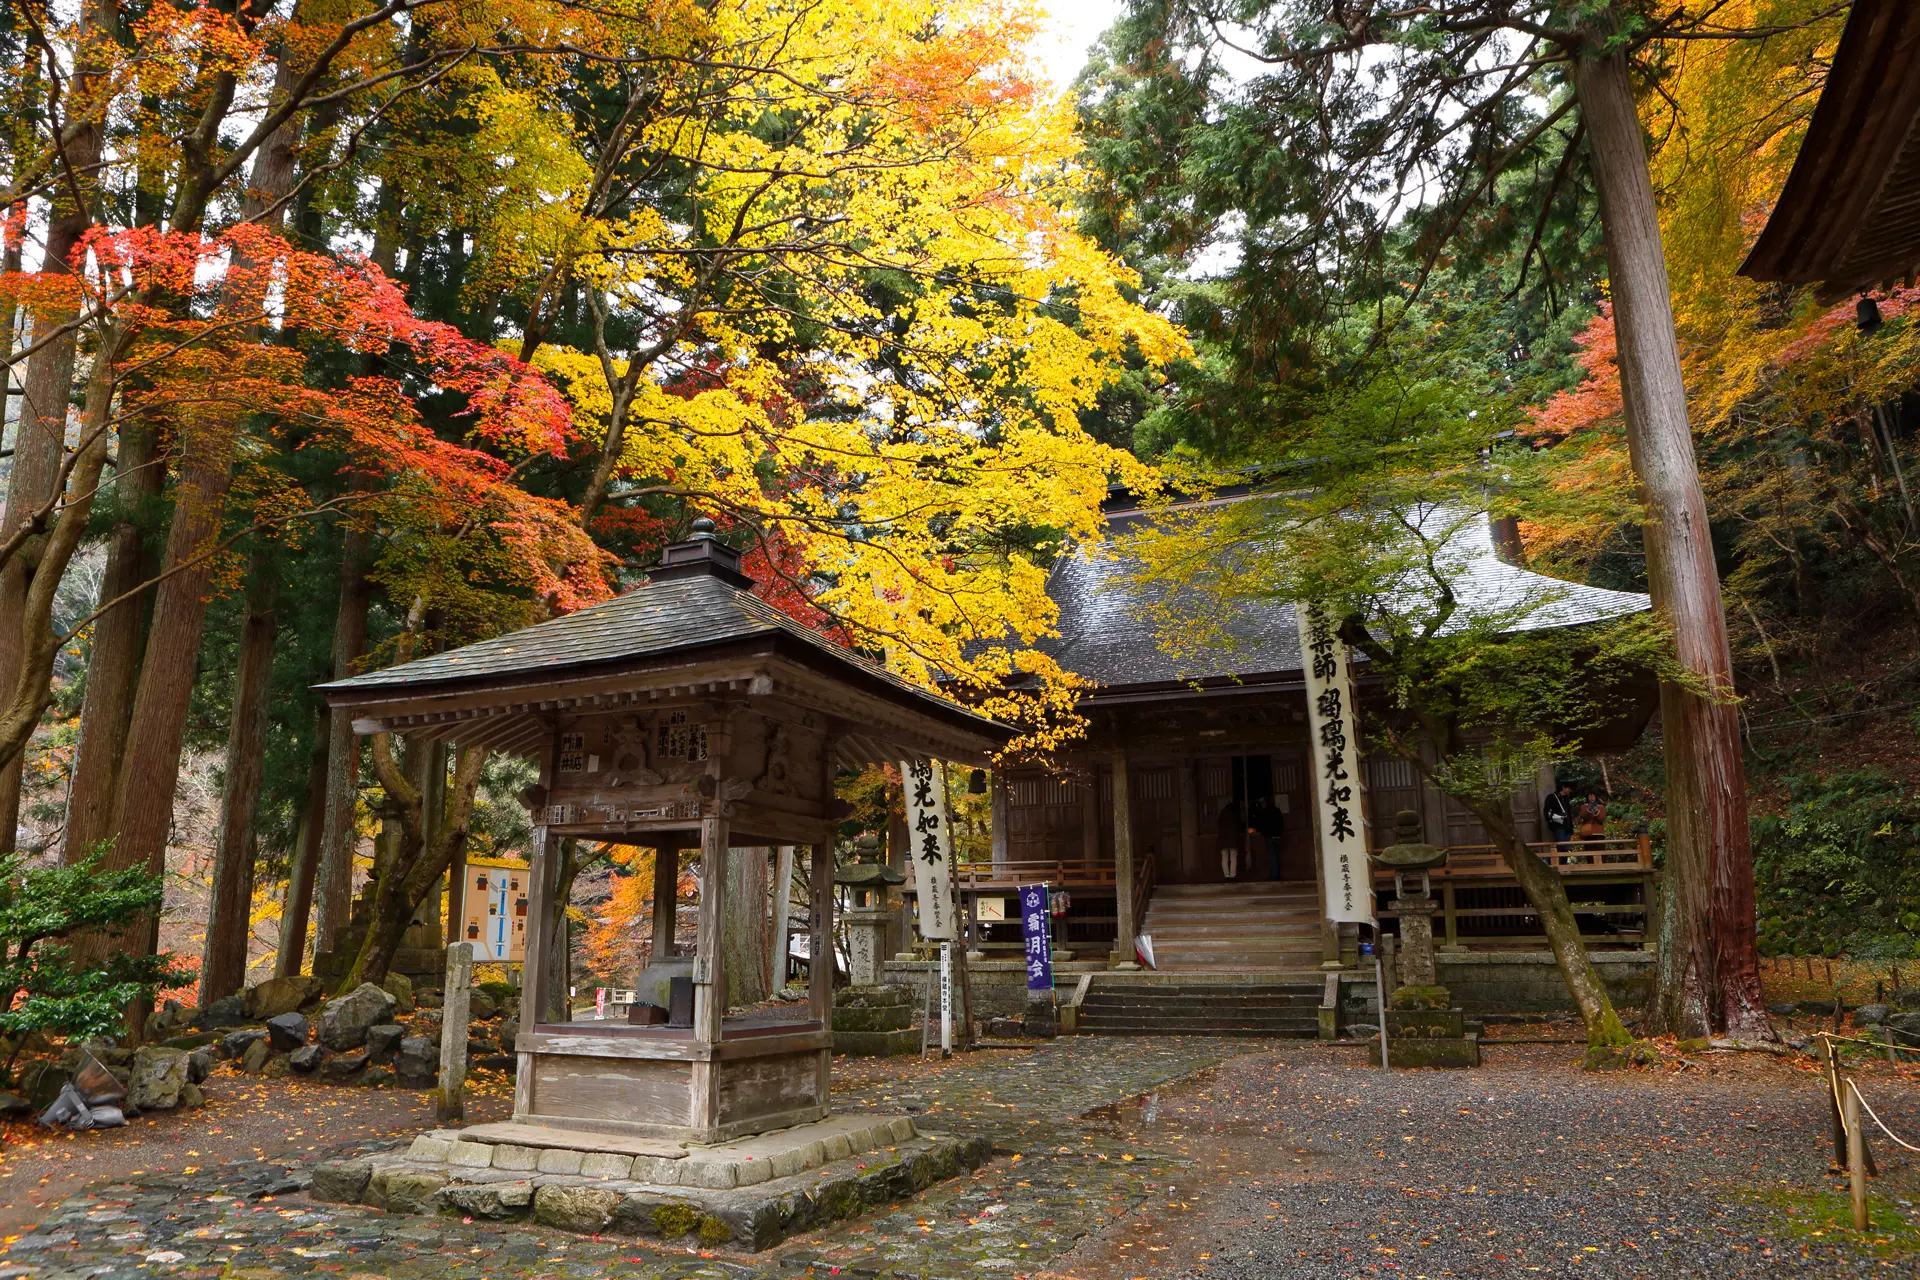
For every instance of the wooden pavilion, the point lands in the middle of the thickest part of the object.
(684, 714)
(1849, 216)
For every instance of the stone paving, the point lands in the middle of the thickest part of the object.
(1052, 1182)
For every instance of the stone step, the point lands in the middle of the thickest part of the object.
(1305, 1031)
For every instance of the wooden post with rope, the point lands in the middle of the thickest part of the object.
(1856, 1157)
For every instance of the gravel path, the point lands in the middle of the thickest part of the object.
(1120, 1158)
(1309, 1164)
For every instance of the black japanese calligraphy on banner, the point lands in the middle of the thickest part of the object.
(930, 836)
(1339, 779)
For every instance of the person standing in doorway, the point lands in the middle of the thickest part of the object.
(1271, 825)
(1233, 834)
(1558, 812)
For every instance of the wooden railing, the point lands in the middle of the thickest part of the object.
(1629, 855)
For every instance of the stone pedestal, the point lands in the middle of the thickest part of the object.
(874, 1022)
(1422, 1026)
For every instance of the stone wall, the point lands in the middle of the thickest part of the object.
(1482, 982)
(999, 986)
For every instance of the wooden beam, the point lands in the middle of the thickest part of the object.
(1123, 861)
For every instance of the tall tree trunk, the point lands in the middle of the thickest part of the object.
(333, 892)
(223, 965)
(744, 932)
(119, 640)
(306, 860)
(416, 868)
(1709, 971)
(1547, 893)
(39, 440)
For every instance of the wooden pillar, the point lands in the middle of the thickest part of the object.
(820, 932)
(709, 974)
(666, 896)
(1000, 819)
(1090, 817)
(1329, 932)
(1123, 863)
(1189, 820)
(782, 907)
(1452, 919)
(543, 862)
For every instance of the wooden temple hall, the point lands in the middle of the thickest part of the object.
(686, 714)
(1181, 757)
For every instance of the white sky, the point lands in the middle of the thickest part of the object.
(1073, 25)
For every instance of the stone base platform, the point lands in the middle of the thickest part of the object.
(749, 1195)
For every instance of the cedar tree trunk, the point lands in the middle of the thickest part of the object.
(223, 965)
(306, 860)
(119, 640)
(744, 931)
(1709, 975)
(415, 870)
(333, 891)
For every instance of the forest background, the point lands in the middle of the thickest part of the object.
(398, 326)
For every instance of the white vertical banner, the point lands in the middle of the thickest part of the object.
(1337, 770)
(930, 835)
(946, 999)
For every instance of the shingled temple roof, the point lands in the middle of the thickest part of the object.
(1849, 215)
(1108, 633)
(696, 606)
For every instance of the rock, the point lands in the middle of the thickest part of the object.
(191, 1096)
(419, 1061)
(377, 1078)
(489, 1199)
(286, 1032)
(41, 1083)
(431, 1000)
(478, 1049)
(306, 1058)
(106, 1117)
(159, 1074)
(162, 1021)
(1819, 1008)
(1781, 1008)
(98, 1085)
(199, 1065)
(228, 1011)
(254, 1060)
(400, 987)
(340, 1181)
(1868, 1015)
(235, 1044)
(268, 1000)
(12, 1104)
(384, 1041)
(509, 1031)
(67, 1111)
(340, 1066)
(482, 1006)
(583, 1209)
(277, 1067)
(498, 1062)
(1907, 997)
(345, 1020)
(406, 1190)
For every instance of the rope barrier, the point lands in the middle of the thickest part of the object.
(1877, 1120)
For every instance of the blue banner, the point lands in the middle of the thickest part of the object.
(1034, 921)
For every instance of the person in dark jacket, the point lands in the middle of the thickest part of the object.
(1271, 826)
(1233, 838)
(1558, 812)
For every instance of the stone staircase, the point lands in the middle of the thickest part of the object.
(1258, 924)
(1125, 1004)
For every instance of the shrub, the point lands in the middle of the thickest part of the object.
(41, 989)
(1836, 869)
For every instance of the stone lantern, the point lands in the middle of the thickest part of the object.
(871, 1018)
(1423, 1028)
